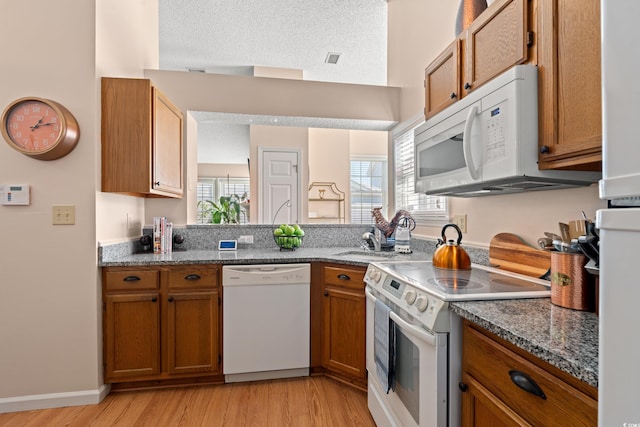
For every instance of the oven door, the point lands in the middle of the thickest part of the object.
(420, 395)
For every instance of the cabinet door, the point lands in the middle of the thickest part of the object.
(570, 106)
(167, 145)
(442, 80)
(480, 408)
(193, 341)
(535, 394)
(132, 335)
(343, 344)
(495, 42)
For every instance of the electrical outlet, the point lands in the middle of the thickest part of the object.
(245, 239)
(63, 214)
(461, 221)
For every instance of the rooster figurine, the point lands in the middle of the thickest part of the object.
(389, 227)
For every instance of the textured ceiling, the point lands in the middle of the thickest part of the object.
(234, 35)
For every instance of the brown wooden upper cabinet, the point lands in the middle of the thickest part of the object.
(141, 140)
(569, 85)
(497, 40)
(561, 37)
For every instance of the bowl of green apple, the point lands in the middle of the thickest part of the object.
(288, 237)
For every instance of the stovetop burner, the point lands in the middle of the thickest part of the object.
(479, 283)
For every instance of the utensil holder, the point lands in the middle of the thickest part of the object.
(571, 285)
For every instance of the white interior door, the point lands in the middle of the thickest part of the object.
(279, 186)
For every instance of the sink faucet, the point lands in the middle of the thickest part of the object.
(375, 238)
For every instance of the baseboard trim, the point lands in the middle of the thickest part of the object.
(53, 400)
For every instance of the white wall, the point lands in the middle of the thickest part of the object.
(329, 162)
(223, 143)
(418, 31)
(50, 310)
(49, 306)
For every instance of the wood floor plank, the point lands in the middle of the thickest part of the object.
(300, 402)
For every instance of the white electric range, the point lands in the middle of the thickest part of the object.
(427, 335)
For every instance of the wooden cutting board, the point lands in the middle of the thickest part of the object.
(509, 252)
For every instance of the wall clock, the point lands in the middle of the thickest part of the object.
(40, 128)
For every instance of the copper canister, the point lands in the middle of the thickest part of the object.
(571, 285)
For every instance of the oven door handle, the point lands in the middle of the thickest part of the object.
(415, 331)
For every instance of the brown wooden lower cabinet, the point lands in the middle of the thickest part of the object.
(161, 323)
(338, 322)
(491, 370)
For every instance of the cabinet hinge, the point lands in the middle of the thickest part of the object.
(219, 359)
(424, 83)
(529, 38)
(219, 301)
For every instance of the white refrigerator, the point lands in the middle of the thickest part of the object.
(619, 341)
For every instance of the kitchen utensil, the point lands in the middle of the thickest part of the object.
(552, 236)
(545, 243)
(509, 252)
(577, 228)
(588, 246)
(449, 254)
(564, 232)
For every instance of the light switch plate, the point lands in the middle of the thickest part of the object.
(63, 214)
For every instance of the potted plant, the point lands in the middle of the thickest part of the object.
(226, 210)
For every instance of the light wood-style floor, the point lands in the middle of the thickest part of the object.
(309, 401)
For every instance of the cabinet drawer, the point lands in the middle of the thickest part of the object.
(193, 278)
(347, 277)
(129, 280)
(492, 365)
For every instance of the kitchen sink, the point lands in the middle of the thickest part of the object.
(366, 255)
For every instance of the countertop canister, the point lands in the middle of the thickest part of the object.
(571, 285)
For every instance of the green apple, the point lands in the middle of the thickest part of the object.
(278, 232)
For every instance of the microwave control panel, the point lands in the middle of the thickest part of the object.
(496, 147)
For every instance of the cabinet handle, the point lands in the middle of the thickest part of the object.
(453, 95)
(463, 387)
(326, 293)
(343, 277)
(544, 149)
(154, 299)
(157, 183)
(523, 381)
(170, 299)
(192, 277)
(467, 86)
(131, 279)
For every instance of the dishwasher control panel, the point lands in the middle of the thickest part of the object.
(265, 274)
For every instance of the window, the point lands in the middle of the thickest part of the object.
(426, 210)
(368, 185)
(214, 188)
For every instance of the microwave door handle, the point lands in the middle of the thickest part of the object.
(466, 143)
(418, 333)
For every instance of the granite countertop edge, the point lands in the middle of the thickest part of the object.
(570, 343)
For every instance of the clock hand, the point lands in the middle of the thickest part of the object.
(37, 125)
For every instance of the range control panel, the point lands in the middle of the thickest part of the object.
(432, 312)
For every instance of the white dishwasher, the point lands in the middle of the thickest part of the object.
(265, 327)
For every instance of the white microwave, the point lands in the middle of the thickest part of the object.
(487, 143)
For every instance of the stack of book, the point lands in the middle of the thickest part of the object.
(162, 235)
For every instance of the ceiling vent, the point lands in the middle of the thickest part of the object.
(332, 58)
(195, 70)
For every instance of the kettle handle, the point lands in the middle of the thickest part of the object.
(444, 238)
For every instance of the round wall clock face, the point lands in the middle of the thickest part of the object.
(40, 128)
